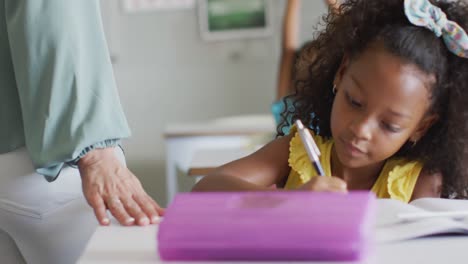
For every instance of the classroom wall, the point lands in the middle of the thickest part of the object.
(166, 73)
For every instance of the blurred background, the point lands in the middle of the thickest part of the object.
(169, 70)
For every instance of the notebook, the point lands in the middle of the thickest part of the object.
(268, 226)
(397, 220)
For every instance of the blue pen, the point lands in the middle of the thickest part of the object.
(311, 148)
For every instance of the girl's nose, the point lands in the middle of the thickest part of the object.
(362, 128)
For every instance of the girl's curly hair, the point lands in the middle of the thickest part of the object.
(444, 148)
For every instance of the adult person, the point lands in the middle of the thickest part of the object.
(61, 123)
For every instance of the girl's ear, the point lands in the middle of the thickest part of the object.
(423, 126)
(341, 70)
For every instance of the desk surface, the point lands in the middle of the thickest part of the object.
(235, 125)
(205, 160)
(117, 244)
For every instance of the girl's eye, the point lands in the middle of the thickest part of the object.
(352, 101)
(390, 128)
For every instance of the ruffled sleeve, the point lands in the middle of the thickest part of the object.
(398, 179)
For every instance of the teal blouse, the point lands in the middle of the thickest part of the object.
(58, 97)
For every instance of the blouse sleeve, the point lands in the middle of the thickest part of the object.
(66, 86)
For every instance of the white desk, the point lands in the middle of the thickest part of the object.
(116, 244)
(183, 139)
(205, 160)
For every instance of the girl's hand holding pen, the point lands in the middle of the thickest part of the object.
(325, 184)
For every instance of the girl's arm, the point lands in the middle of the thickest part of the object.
(289, 46)
(258, 171)
(427, 185)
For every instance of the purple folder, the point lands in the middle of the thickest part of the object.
(268, 226)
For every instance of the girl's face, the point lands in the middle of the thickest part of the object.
(380, 104)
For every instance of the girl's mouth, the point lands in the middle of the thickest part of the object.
(352, 150)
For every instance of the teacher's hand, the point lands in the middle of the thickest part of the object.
(108, 184)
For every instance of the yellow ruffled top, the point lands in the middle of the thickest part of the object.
(396, 180)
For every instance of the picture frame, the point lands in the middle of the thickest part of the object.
(234, 19)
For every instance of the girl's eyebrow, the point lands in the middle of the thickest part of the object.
(392, 112)
(395, 113)
(358, 84)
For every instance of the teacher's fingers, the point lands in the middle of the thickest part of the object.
(118, 210)
(150, 208)
(99, 208)
(158, 208)
(136, 211)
